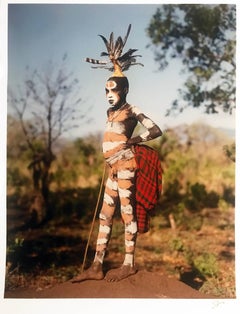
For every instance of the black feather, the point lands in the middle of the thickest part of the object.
(95, 61)
(127, 54)
(114, 52)
(111, 43)
(118, 48)
(126, 37)
(104, 54)
(106, 43)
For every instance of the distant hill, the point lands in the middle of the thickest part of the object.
(229, 132)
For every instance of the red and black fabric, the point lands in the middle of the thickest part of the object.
(148, 184)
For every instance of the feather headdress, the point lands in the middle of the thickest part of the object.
(117, 62)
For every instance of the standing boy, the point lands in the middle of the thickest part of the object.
(118, 151)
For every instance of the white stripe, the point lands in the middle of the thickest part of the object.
(127, 209)
(111, 184)
(102, 216)
(104, 229)
(129, 243)
(101, 241)
(128, 259)
(147, 123)
(132, 227)
(111, 145)
(116, 127)
(145, 135)
(122, 154)
(136, 110)
(125, 174)
(123, 193)
(108, 199)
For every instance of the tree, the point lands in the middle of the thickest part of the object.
(203, 37)
(47, 105)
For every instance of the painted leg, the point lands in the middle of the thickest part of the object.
(106, 218)
(127, 198)
(105, 225)
(128, 268)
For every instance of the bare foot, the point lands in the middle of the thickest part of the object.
(120, 273)
(92, 273)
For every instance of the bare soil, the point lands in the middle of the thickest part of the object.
(42, 265)
(144, 284)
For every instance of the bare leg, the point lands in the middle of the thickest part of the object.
(93, 273)
(126, 185)
(120, 273)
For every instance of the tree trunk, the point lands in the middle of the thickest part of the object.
(45, 181)
(37, 209)
(45, 189)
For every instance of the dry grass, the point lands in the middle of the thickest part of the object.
(175, 253)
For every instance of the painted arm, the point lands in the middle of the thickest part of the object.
(152, 130)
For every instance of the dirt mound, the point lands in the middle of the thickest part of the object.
(144, 284)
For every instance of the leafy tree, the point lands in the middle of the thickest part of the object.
(203, 38)
(47, 106)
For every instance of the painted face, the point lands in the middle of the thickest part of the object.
(115, 93)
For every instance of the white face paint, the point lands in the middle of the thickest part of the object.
(112, 93)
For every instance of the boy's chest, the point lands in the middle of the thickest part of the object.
(121, 124)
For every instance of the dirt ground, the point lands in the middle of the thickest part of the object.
(144, 284)
(53, 255)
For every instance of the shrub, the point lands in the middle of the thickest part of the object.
(211, 200)
(176, 244)
(206, 264)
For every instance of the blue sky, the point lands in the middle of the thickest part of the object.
(38, 33)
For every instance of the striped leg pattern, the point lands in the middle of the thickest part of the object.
(120, 185)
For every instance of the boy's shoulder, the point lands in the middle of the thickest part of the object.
(134, 109)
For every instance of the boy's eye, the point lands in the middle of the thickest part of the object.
(113, 90)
